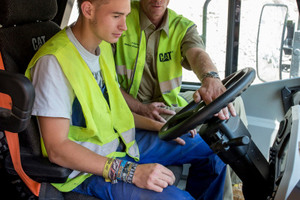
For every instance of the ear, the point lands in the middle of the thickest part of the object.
(87, 9)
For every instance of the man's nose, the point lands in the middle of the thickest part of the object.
(123, 25)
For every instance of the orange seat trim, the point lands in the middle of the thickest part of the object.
(14, 146)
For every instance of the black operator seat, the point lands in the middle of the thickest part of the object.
(25, 25)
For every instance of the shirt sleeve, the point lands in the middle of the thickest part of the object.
(53, 93)
(190, 40)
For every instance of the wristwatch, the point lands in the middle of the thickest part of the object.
(210, 74)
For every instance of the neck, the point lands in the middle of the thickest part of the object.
(156, 21)
(84, 36)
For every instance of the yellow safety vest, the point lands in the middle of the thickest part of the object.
(105, 124)
(131, 55)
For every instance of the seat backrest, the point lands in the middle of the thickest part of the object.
(25, 25)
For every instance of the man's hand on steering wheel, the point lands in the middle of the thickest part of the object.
(210, 89)
(216, 98)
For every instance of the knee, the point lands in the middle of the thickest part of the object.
(238, 104)
(169, 193)
(218, 165)
(172, 192)
(239, 107)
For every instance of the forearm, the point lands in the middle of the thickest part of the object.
(211, 87)
(200, 62)
(74, 156)
(134, 104)
(146, 123)
(65, 152)
(152, 110)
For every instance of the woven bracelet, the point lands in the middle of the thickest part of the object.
(119, 170)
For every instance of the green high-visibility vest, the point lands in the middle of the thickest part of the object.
(105, 123)
(131, 55)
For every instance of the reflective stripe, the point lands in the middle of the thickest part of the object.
(122, 70)
(167, 86)
(108, 148)
(129, 135)
(76, 173)
(134, 150)
(100, 150)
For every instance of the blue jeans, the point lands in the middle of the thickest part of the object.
(205, 180)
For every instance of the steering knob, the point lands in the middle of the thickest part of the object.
(239, 141)
(220, 145)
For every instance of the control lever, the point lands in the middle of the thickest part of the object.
(239, 141)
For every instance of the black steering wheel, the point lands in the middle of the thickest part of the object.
(195, 114)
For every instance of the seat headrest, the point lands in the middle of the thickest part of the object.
(14, 12)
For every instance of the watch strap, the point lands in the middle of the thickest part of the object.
(210, 74)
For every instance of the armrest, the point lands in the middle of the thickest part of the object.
(16, 120)
(39, 169)
(21, 91)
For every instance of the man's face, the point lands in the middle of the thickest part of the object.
(154, 9)
(109, 20)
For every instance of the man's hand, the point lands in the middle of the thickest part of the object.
(154, 110)
(181, 141)
(154, 177)
(211, 89)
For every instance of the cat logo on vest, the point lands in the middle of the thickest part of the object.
(164, 57)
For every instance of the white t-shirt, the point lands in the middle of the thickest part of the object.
(54, 94)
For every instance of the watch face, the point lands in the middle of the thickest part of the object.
(214, 74)
(211, 74)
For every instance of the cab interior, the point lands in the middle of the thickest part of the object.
(272, 109)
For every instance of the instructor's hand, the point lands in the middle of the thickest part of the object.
(154, 110)
(210, 90)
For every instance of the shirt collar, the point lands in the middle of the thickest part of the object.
(145, 22)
